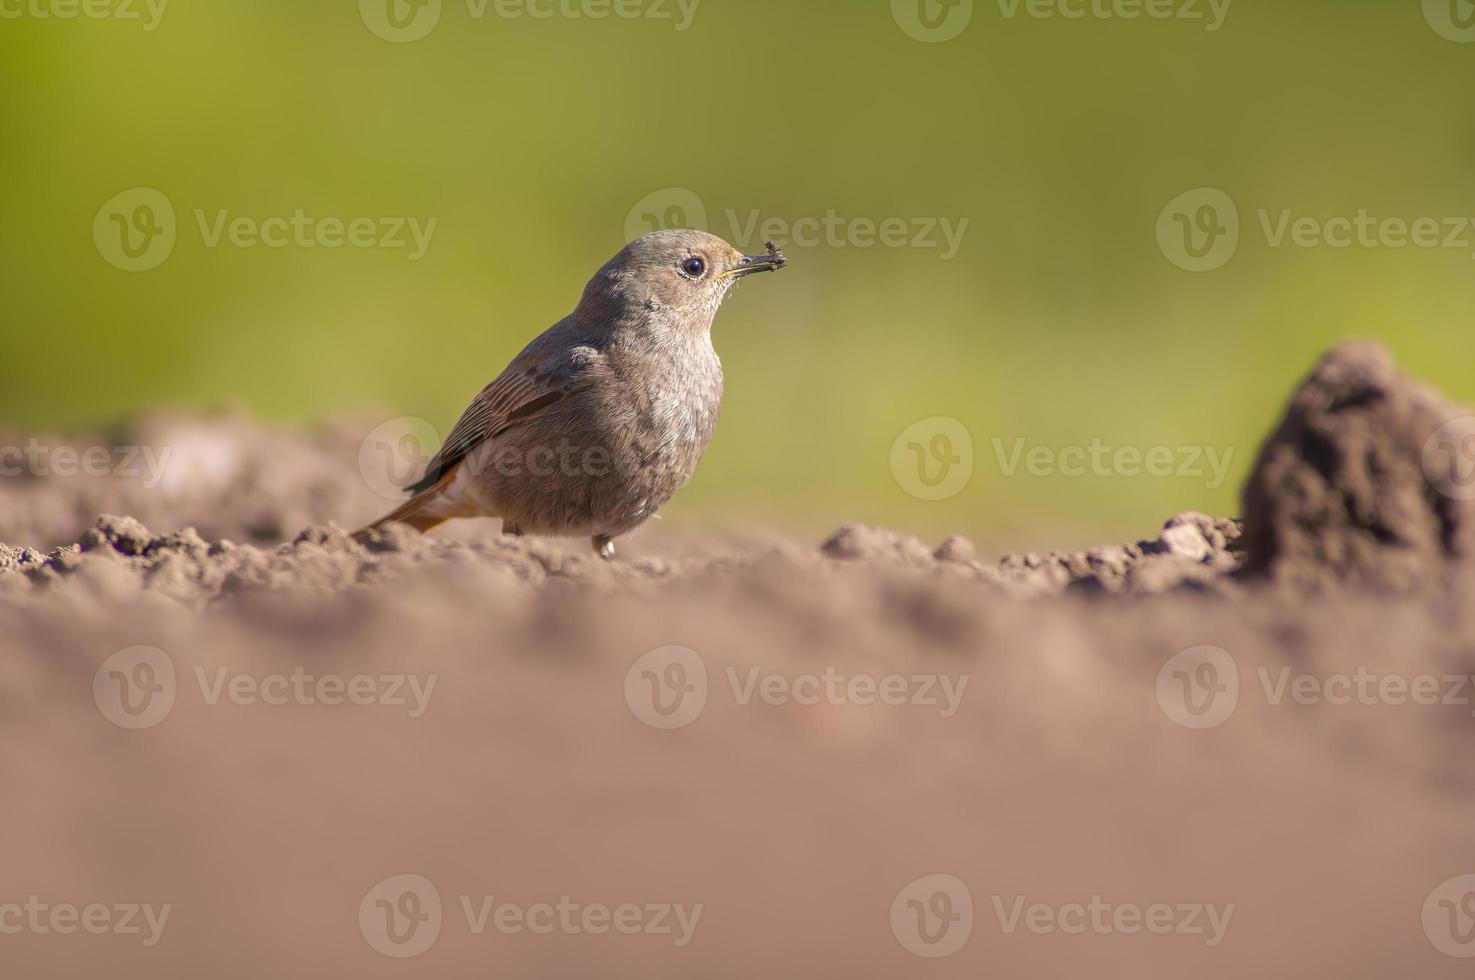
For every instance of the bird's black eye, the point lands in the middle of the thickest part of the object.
(694, 267)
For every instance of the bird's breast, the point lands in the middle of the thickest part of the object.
(677, 410)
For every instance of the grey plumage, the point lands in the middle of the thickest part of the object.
(603, 417)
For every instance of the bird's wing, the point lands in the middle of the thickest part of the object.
(530, 384)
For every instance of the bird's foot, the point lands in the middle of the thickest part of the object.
(604, 547)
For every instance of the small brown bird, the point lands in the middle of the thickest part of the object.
(603, 417)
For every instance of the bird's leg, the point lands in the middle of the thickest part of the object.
(511, 530)
(604, 547)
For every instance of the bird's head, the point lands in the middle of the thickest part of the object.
(682, 274)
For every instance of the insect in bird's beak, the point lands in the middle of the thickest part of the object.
(771, 261)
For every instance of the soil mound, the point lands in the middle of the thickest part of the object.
(1367, 481)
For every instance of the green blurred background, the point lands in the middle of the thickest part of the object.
(531, 141)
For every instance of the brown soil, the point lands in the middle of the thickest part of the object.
(1063, 769)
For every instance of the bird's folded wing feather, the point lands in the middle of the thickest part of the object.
(529, 386)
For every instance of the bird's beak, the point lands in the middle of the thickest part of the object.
(771, 261)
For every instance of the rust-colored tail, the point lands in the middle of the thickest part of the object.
(410, 513)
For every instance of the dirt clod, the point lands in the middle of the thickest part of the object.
(856, 542)
(123, 534)
(956, 549)
(1344, 490)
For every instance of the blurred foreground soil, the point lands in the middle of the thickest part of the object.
(1231, 748)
